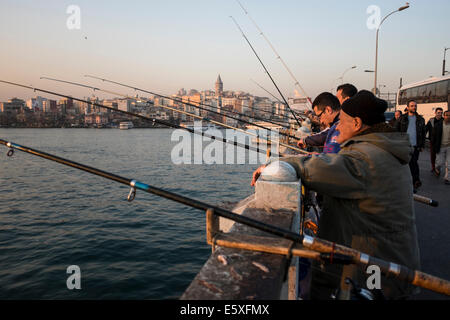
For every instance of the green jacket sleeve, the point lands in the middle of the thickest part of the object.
(341, 175)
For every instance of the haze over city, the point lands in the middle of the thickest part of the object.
(165, 46)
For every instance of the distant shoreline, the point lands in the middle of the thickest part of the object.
(1, 127)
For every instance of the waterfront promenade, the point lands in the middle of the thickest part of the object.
(433, 227)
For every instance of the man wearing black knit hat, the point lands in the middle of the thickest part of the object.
(368, 198)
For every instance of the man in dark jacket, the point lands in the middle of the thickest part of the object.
(326, 107)
(394, 120)
(345, 92)
(414, 125)
(368, 200)
(434, 131)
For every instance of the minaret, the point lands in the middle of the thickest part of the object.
(219, 87)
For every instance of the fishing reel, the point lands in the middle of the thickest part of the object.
(358, 294)
(11, 149)
(309, 212)
(132, 194)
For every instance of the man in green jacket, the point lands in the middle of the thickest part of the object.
(368, 198)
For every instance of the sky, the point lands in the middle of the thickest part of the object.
(163, 46)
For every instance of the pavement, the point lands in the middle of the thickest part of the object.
(433, 227)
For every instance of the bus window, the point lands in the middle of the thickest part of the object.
(422, 94)
(441, 91)
(431, 93)
(411, 94)
(402, 97)
(448, 94)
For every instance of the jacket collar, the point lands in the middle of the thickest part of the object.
(376, 128)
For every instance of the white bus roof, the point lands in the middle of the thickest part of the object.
(426, 81)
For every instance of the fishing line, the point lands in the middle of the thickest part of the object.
(179, 111)
(198, 107)
(296, 82)
(153, 120)
(265, 69)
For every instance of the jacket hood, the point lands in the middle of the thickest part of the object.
(396, 143)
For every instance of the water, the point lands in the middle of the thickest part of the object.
(53, 216)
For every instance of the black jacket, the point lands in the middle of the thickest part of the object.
(402, 126)
(434, 131)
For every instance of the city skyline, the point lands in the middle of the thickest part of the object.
(182, 107)
(167, 46)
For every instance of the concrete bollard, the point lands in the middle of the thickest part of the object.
(278, 187)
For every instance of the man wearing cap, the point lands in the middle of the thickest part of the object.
(368, 199)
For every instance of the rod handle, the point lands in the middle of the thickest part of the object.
(425, 200)
(431, 283)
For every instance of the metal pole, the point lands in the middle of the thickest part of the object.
(443, 62)
(376, 64)
(342, 77)
(376, 50)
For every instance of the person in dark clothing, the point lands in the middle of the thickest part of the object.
(345, 91)
(394, 120)
(368, 200)
(328, 110)
(326, 107)
(434, 132)
(315, 122)
(414, 125)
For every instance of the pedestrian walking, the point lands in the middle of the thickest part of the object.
(414, 124)
(443, 156)
(434, 132)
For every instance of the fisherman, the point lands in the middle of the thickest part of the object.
(315, 121)
(326, 107)
(368, 201)
(327, 137)
(345, 91)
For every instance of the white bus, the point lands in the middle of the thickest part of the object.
(429, 95)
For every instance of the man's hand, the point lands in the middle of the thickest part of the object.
(256, 174)
(301, 144)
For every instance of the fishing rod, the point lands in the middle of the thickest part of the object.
(279, 91)
(297, 83)
(195, 106)
(112, 92)
(267, 91)
(166, 123)
(391, 269)
(300, 114)
(179, 111)
(198, 107)
(282, 123)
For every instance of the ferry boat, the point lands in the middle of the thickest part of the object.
(126, 125)
(203, 127)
